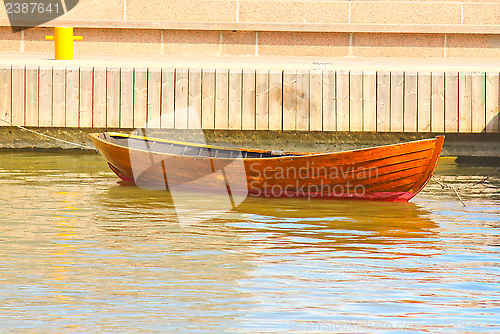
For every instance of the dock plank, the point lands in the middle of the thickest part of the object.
(289, 100)
(316, 100)
(492, 102)
(194, 113)
(154, 98)
(235, 98)
(303, 100)
(248, 106)
(261, 100)
(410, 112)
(437, 102)
(383, 101)
(208, 99)
(465, 102)
(343, 101)
(59, 97)
(167, 113)
(356, 101)
(44, 96)
(113, 94)
(329, 101)
(140, 97)
(127, 98)
(100, 98)
(451, 102)
(276, 100)
(18, 94)
(479, 102)
(6, 94)
(181, 98)
(221, 99)
(86, 93)
(424, 93)
(72, 96)
(397, 101)
(370, 101)
(31, 95)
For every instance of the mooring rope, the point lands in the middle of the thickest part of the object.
(47, 136)
(444, 185)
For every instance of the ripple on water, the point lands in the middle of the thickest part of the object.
(80, 252)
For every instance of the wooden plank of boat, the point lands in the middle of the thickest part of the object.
(391, 172)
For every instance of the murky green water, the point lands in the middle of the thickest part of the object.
(79, 252)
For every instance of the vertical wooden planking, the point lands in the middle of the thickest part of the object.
(6, 94)
(167, 114)
(100, 98)
(370, 101)
(451, 102)
(72, 96)
(31, 95)
(140, 97)
(44, 96)
(316, 98)
(343, 101)
(397, 101)
(492, 102)
(221, 99)
(437, 102)
(356, 101)
(18, 91)
(248, 106)
(410, 112)
(275, 100)
(424, 93)
(194, 113)
(303, 101)
(85, 111)
(479, 102)
(329, 101)
(208, 99)
(383, 101)
(262, 100)
(154, 98)
(235, 95)
(464, 103)
(289, 99)
(113, 94)
(59, 97)
(181, 98)
(127, 98)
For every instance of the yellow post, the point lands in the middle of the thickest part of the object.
(64, 38)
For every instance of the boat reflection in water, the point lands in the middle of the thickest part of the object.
(286, 222)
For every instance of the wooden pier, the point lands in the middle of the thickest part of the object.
(244, 99)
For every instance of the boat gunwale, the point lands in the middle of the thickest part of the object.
(280, 157)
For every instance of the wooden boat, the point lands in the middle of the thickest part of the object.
(392, 172)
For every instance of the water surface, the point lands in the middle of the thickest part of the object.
(81, 253)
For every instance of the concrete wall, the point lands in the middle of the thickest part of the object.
(439, 29)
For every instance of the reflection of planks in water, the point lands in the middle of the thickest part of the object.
(393, 172)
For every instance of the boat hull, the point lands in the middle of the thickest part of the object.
(391, 173)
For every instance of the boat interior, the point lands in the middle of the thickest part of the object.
(187, 149)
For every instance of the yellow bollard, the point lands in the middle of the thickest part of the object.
(64, 38)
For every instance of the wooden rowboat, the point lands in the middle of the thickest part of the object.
(392, 172)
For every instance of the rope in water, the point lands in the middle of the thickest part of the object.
(444, 185)
(47, 136)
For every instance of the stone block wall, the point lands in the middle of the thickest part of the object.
(341, 28)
